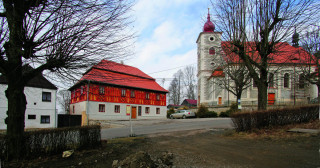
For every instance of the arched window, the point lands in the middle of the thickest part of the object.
(301, 81)
(271, 83)
(212, 51)
(286, 80)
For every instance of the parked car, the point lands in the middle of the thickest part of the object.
(182, 114)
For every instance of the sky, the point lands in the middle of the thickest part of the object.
(167, 32)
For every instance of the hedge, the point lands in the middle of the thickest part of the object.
(247, 121)
(54, 141)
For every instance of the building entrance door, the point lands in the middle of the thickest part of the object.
(271, 98)
(133, 112)
(220, 101)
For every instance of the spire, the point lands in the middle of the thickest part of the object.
(208, 26)
(295, 38)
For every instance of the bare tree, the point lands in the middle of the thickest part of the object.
(311, 43)
(174, 91)
(259, 25)
(189, 81)
(64, 98)
(63, 37)
(235, 78)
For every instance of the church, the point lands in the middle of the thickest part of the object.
(287, 85)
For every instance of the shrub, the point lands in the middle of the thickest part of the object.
(169, 112)
(53, 141)
(202, 111)
(277, 117)
(224, 114)
(211, 114)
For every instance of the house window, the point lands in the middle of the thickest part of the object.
(31, 117)
(158, 111)
(46, 96)
(73, 110)
(286, 80)
(147, 110)
(123, 92)
(101, 90)
(81, 91)
(117, 108)
(212, 51)
(147, 96)
(301, 81)
(102, 108)
(158, 96)
(271, 80)
(45, 119)
(132, 94)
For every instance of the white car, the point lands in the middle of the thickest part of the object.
(182, 114)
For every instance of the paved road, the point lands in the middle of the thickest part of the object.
(143, 127)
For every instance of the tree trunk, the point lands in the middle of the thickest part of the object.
(15, 121)
(262, 96)
(238, 97)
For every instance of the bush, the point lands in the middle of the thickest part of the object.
(202, 111)
(277, 117)
(211, 114)
(169, 112)
(224, 114)
(53, 141)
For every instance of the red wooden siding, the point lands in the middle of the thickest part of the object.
(113, 94)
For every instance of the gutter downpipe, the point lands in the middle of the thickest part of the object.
(87, 105)
(55, 111)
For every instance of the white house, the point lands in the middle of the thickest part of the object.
(41, 103)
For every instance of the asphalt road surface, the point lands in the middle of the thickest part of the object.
(143, 127)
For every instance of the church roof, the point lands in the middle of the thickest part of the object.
(191, 101)
(218, 72)
(283, 53)
(112, 73)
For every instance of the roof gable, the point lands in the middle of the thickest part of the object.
(120, 75)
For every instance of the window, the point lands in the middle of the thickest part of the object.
(101, 90)
(73, 109)
(147, 110)
(158, 111)
(254, 83)
(286, 80)
(123, 92)
(102, 108)
(132, 94)
(301, 81)
(31, 117)
(45, 119)
(147, 96)
(158, 97)
(212, 51)
(117, 108)
(46, 96)
(271, 83)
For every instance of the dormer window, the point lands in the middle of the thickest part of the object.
(212, 51)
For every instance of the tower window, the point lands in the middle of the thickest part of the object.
(286, 80)
(212, 51)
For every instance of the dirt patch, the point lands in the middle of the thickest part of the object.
(198, 148)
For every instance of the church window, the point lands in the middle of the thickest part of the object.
(286, 80)
(271, 80)
(212, 51)
(301, 81)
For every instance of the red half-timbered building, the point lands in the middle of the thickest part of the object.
(113, 91)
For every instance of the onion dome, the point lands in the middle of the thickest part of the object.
(295, 39)
(208, 26)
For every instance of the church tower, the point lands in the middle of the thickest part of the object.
(209, 47)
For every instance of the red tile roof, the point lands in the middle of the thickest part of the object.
(218, 73)
(191, 101)
(284, 53)
(109, 72)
